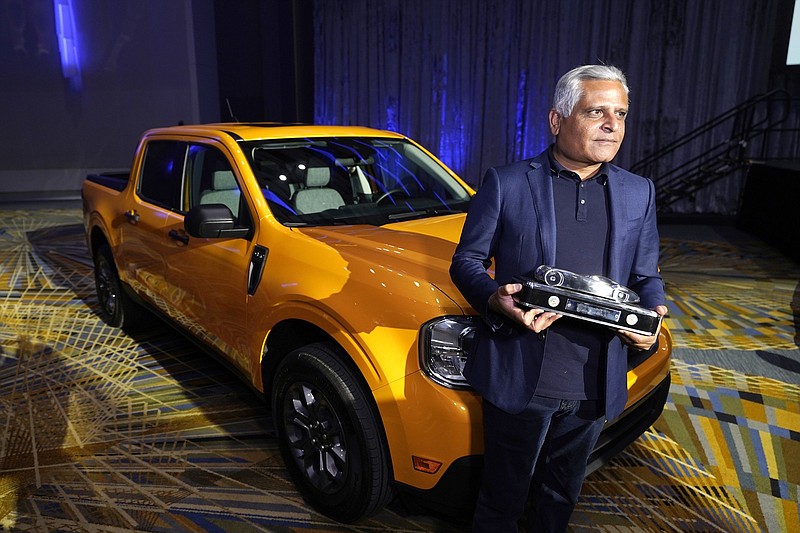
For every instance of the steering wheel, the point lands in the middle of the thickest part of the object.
(390, 193)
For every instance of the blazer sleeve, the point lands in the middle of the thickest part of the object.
(645, 278)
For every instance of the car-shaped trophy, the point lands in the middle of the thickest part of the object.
(591, 298)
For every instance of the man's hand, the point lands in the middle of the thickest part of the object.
(641, 342)
(534, 319)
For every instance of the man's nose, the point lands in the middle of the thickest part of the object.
(612, 124)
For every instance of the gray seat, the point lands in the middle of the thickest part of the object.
(224, 191)
(317, 196)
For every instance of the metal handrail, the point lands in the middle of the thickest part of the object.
(751, 121)
(710, 125)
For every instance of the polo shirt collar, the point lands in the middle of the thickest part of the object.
(557, 169)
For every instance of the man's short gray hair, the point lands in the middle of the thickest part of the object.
(569, 88)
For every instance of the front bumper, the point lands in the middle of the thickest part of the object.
(455, 493)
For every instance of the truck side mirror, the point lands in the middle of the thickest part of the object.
(212, 221)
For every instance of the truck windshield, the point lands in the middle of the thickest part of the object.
(347, 180)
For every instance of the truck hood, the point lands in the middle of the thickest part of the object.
(418, 249)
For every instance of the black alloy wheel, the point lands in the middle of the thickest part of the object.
(329, 434)
(116, 307)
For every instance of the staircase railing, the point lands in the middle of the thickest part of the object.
(749, 122)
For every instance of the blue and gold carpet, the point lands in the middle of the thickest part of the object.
(104, 432)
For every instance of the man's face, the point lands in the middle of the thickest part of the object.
(593, 132)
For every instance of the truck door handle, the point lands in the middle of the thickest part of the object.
(132, 216)
(176, 236)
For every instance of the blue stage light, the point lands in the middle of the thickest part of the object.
(68, 42)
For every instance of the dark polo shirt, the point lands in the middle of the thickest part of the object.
(574, 349)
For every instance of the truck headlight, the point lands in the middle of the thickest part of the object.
(446, 344)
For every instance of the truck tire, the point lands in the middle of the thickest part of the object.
(329, 435)
(116, 307)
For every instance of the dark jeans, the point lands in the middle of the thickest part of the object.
(549, 442)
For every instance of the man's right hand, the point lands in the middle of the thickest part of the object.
(534, 319)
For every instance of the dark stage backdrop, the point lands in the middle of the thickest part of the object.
(78, 90)
(473, 79)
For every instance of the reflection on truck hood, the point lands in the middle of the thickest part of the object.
(420, 249)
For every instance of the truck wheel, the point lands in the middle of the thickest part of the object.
(329, 435)
(116, 307)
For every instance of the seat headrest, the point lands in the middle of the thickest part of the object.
(224, 180)
(318, 176)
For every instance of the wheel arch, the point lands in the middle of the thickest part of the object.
(295, 323)
(284, 338)
(97, 238)
(293, 333)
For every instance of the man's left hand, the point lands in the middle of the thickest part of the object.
(641, 342)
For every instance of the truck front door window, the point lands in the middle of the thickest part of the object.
(211, 179)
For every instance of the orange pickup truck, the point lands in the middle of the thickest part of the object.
(314, 260)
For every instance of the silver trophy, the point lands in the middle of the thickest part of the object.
(593, 298)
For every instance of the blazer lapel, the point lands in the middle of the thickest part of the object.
(542, 197)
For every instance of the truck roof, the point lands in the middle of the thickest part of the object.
(252, 131)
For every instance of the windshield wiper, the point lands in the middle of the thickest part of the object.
(423, 213)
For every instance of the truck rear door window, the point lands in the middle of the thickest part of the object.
(161, 181)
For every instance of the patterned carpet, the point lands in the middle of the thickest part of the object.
(103, 432)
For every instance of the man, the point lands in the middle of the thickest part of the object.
(548, 382)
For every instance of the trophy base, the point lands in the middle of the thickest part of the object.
(586, 307)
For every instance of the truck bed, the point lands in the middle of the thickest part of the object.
(113, 180)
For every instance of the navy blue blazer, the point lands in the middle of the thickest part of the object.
(512, 221)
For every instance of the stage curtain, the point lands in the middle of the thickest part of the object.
(473, 79)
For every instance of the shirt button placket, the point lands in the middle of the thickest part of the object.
(581, 203)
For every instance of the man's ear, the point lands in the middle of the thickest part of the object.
(554, 119)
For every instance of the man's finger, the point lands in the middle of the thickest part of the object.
(509, 289)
